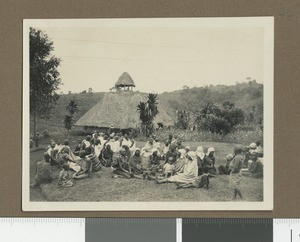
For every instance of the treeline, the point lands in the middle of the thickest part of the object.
(219, 109)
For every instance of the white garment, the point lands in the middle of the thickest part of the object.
(98, 148)
(74, 166)
(114, 145)
(127, 142)
(133, 146)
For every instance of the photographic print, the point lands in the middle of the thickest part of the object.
(148, 114)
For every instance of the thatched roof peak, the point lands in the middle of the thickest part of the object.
(125, 80)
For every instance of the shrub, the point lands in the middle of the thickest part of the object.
(46, 133)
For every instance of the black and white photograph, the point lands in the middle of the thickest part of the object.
(148, 114)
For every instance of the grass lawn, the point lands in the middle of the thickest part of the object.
(101, 187)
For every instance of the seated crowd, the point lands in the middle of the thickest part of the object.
(169, 161)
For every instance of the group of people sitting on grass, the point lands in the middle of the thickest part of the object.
(169, 161)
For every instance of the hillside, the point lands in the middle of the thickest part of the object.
(248, 96)
(244, 95)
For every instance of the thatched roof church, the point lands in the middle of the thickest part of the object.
(120, 108)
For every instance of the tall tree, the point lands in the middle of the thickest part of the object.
(44, 76)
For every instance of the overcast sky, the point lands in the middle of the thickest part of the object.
(158, 59)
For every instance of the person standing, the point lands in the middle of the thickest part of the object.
(235, 168)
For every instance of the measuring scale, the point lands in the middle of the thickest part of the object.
(149, 229)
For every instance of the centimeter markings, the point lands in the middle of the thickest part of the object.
(74, 229)
(150, 221)
(36, 221)
(82, 221)
(286, 230)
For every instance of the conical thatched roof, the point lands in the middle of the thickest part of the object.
(120, 109)
(125, 80)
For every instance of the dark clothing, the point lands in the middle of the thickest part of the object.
(63, 158)
(154, 160)
(200, 165)
(201, 181)
(78, 148)
(256, 169)
(236, 164)
(224, 169)
(209, 165)
(135, 163)
(43, 173)
(153, 164)
(106, 157)
(171, 157)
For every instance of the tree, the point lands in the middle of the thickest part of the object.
(147, 112)
(90, 90)
(220, 119)
(183, 119)
(69, 118)
(44, 76)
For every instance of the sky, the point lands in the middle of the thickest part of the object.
(159, 59)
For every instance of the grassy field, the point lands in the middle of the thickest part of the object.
(101, 187)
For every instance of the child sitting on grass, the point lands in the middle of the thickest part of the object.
(43, 171)
(64, 178)
(169, 168)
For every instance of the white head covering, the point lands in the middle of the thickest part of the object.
(211, 149)
(200, 153)
(229, 157)
(253, 146)
(182, 153)
(192, 154)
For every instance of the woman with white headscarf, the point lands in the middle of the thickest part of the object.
(188, 173)
(200, 155)
(209, 162)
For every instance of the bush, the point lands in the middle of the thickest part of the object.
(238, 137)
(46, 133)
(219, 119)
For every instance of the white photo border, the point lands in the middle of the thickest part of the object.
(267, 23)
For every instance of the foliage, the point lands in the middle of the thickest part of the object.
(244, 137)
(219, 119)
(68, 122)
(182, 119)
(72, 107)
(69, 119)
(44, 76)
(46, 133)
(147, 112)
